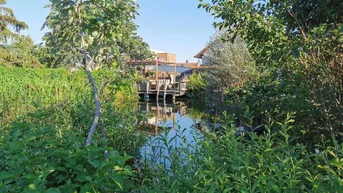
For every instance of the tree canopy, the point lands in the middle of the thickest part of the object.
(297, 46)
(135, 48)
(20, 53)
(16, 50)
(108, 31)
(232, 61)
(9, 25)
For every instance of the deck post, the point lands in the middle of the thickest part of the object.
(174, 76)
(157, 85)
(165, 90)
(147, 88)
(164, 108)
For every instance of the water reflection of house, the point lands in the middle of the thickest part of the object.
(159, 117)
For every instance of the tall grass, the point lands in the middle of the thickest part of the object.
(45, 120)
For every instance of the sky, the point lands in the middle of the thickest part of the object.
(175, 26)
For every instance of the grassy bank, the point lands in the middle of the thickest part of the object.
(46, 115)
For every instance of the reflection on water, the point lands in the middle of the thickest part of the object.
(168, 126)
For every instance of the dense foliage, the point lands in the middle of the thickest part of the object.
(299, 55)
(232, 63)
(44, 119)
(134, 48)
(7, 22)
(20, 53)
(196, 84)
(221, 162)
(43, 145)
(294, 104)
(15, 50)
(108, 32)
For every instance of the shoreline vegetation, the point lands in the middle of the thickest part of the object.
(44, 150)
(271, 111)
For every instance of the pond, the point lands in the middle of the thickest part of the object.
(169, 126)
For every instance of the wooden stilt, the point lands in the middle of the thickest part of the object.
(147, 89)
(165, 90)
(157, 85)
(164, 107)
(174, 74)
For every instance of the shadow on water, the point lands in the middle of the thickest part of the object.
(178, 125)
(169, 126)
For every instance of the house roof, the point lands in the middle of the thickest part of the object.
(193, 66)
(161, 63)
(201, 53)
(157, 51)
(188, 65)
(150, 62)
(171, 69)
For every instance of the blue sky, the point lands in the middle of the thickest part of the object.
(175, 26)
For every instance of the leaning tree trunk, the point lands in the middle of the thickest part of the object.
(97, 112)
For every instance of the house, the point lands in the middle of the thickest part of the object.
(164, 76)
(164, 56)
(200, 55)
(188, 64)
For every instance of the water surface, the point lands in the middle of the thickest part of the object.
(168, 126)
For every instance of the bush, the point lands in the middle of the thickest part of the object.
(248, 163)
(47, 114)
(35, 159)
(196, 84)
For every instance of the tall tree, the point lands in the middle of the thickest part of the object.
(91, 28)
(296, 43)
(135, 48)
(8, 21)
(128, 44)
(20, 53)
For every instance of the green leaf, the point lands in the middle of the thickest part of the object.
(341, 28)
(276, 188)
(88, 178)
(53, 190)
(212, 188)
(5, 175)
(31, 137)
(85, 189)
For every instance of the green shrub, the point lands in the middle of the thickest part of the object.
(249, 163)
(45, 125)
(35, 159)
(196, 84)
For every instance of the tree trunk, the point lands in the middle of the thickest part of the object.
(97, 112)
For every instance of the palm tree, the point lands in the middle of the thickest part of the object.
(7, 21)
